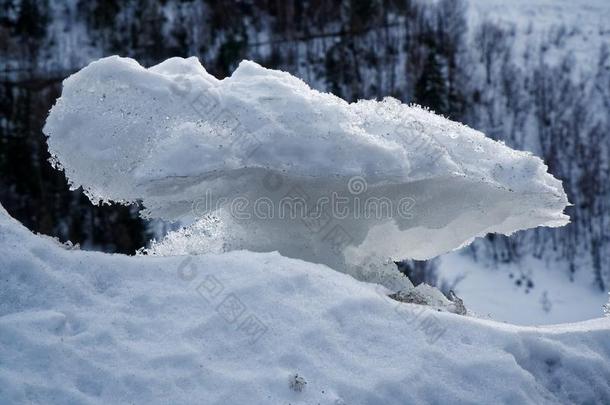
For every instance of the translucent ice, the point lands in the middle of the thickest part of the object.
(288, 168)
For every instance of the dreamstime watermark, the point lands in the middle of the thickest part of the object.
(327, 217)
(415, 137)
(226, 304)
(421, 317)
(296, 204)
(207, 105)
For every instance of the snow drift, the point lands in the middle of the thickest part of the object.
(363, 179)
(236, 328)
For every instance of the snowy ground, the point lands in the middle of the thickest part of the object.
(496, 293)
(579, 28)
(87, 327)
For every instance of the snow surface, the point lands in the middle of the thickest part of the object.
(187, 145)
(88, 327)
(491, 290)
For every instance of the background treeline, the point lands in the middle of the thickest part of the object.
(533, 96)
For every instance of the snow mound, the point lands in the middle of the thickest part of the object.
(288, 168)
(259, 328)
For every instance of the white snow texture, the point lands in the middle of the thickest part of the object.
(412, 184)
(257, 328)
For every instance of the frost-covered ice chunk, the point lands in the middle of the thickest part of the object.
(291, 169)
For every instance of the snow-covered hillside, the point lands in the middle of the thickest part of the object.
(531, 292)
(561, 26)
(86, 327)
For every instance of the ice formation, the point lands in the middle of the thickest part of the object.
(288, 168)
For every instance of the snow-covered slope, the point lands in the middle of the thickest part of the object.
(530, 292)
(86, 327)
(559, 27)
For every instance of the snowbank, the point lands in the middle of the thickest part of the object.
(503, 291)
(361, 179)
(235, 328)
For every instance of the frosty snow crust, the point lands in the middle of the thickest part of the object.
(230, 328)
(411, 183)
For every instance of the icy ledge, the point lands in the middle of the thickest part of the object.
(412, 184)
(86, 327)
